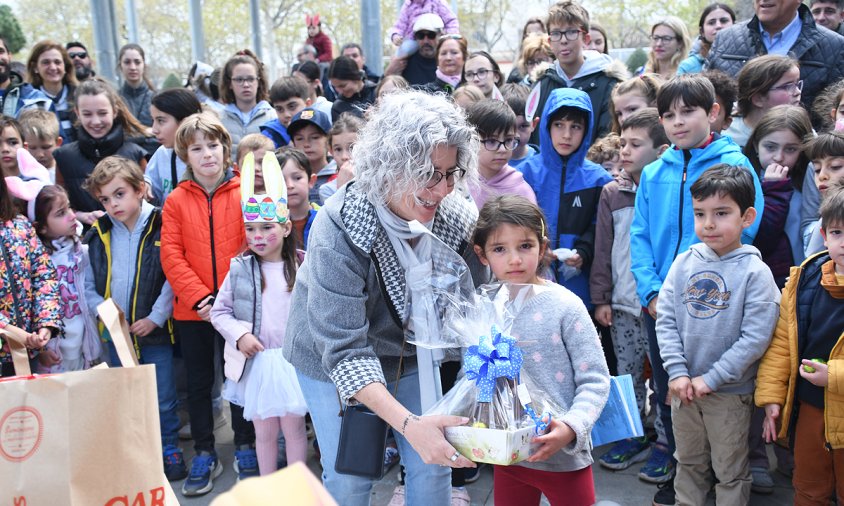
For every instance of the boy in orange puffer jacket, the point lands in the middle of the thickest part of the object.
(202, 231)
(801, 378)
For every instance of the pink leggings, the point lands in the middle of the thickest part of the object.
(266, 440)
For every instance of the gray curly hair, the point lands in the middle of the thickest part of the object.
(393, 152)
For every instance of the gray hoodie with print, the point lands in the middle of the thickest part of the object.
(716, 316)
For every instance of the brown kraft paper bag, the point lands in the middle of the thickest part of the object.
(83, 438)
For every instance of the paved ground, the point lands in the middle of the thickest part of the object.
(613, 488)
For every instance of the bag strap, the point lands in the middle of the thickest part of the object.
(395, 385)
(16, 337)
(173, 181)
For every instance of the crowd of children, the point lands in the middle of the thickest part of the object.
(708, 248)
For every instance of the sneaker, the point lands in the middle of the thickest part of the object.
(398, 497)
(460, 496)
(625, 453)
(391, 457)
(471, 474)
(665, 496)
(204, 468)
(174, 464)
(763, 483)
(660, 466)
(245, 462)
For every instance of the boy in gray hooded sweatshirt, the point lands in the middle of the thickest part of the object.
(717, 311)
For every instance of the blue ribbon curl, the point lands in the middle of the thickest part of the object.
(495, 356)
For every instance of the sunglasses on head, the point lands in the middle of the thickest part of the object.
(78, 55)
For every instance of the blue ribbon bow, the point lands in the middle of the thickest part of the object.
(495, 356)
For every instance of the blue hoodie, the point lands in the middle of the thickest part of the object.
(276, 132)
(664, 224)
(568, 189)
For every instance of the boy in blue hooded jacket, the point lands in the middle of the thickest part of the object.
(567, 186)
(663, 224)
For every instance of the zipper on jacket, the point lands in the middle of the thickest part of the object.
(137, 282)
(213, 250)
(687, 157)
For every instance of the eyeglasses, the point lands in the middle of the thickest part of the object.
(424, 34)
(480, 74)
(536, 61)
(78, 56)
(244, 80)
(557, 35)
(665, 39)
(450, 177)
(494, 144)
(789, 87)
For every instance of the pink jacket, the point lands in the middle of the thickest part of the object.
(412, 9)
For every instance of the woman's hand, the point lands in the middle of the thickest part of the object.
(426, 435)
(558, 437)
(249, 345)
(769, 425)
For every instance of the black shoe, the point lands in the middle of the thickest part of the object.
(665, 496)
(471, 475)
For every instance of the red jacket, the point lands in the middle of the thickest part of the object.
(322, 44)
(199, 237)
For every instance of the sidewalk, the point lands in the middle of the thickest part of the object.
(622, 488)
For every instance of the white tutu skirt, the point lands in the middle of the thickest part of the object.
(268, 388)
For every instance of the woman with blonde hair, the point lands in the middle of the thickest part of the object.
(670, 44)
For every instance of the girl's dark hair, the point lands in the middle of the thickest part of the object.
(782, 117)
(491, 117)
(827, 103)
(8, 208)
(705, 45)
(140, 50)
(758, 76)
(44, 203)
(8, 121)
(496, 70)
(312, 73)
(598, 28)
(512, 210)
(177, 102)
(283, 154)
(346, 124)
(532, 21)
(824, 145)
(244, 56)
(122, 115)
(346, 69)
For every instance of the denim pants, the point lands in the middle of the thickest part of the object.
(161, 356)
(660, 381)
(426, 484)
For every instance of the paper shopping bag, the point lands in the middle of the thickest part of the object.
(620, 418)
(295, 483)
(83, 438)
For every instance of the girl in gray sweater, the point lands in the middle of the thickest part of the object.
(562, 354)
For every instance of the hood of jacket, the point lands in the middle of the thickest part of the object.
(593, 63)
(564, 97)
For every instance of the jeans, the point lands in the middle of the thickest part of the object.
(198, 340)
(161, 356)
(660, 381)
(426, 484)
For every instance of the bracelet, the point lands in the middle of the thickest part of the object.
(407, 420)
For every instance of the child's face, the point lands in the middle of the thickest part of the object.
(121, 201)
(567, 135)
(637, 150)
(719, 222)
(721, 122)
(341, 146)
(42, 149)
(96, 114)
(613, 167)
(267, 239)
(245, 82)
(164, 127)
(313, 142)
(568, 52)
(513, 254)
(524, 129)
(828, 170)
(838, 112)
(627, 104)
(61, 221)
(10, 143)
(206, 158)
(286, 109)
(298, 185)
(784, 92)
(490, 162)
(688, 127)
(781, 147)
(479, 71)
(833, 239)
(313, 30)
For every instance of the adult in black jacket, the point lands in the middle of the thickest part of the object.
(819, 50)
(354, 93)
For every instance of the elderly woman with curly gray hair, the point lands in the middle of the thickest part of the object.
(346, 332)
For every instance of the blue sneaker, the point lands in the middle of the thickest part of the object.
(660, 466)
(204, 468)
(174, 463)
(625, 453)
(245, 462)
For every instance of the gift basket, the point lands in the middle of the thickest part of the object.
(506, 409)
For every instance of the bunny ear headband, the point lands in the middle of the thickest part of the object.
(269, 206)
(312, 20)
(33, 178)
